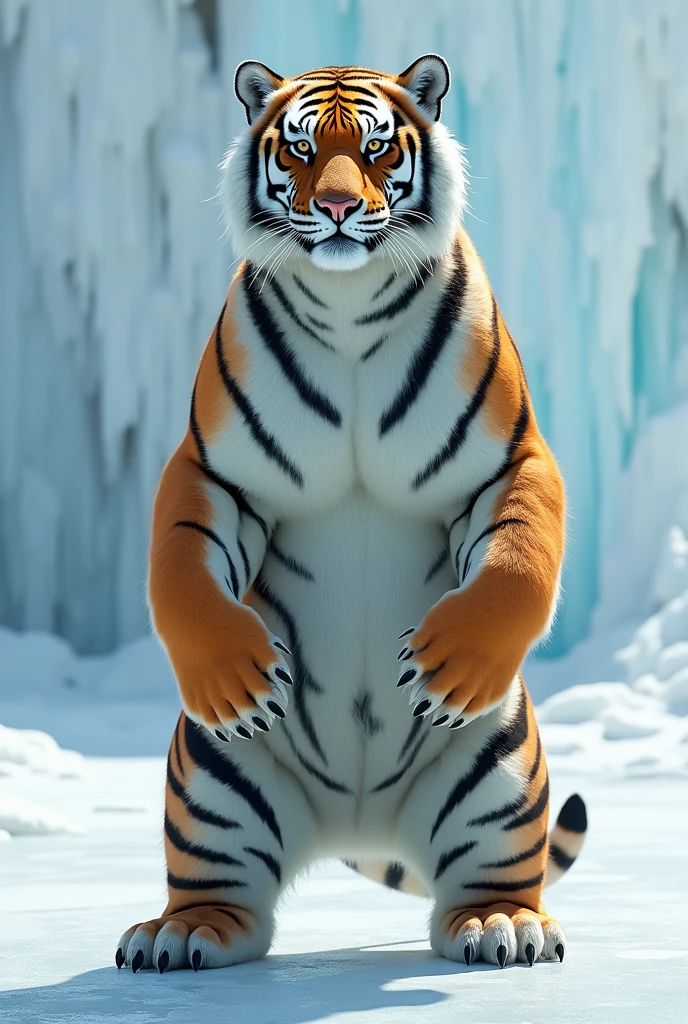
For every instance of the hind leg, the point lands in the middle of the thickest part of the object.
(475, 826)
(237, 830)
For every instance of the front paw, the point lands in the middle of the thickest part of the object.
(236, 683)
(458, 664)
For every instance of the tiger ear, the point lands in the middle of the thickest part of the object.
(427, 80)
(254, 83)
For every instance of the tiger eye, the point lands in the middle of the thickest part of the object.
(374, 145)
(303, 146)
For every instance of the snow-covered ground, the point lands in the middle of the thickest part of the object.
(347, 950)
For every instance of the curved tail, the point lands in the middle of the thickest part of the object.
(566, 838)
(565, 843)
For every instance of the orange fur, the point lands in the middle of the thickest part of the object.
(220, 922)
(455, 919)
(217, 647)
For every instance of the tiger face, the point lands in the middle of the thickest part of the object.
(343, 165)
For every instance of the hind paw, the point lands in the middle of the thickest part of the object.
(210, 935)
(501, 934)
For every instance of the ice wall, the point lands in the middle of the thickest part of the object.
(113, 118)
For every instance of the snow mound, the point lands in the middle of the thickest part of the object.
(590, 701)
(638, 726)
(22, 817)
(29, 750)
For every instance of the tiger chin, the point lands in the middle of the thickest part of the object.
(355, 545)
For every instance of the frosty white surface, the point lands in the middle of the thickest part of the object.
(112, 272)
(347, 951)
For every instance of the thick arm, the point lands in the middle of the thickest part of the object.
(506, 543)
(208, 544)
(507, 551)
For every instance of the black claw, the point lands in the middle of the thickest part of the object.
(137, 962)
(421, 708)
(457, 724)
(467, 954)
(241, 730)
(501, 954)
(275, 708)
(281, 647)
(442, 720)
(530, 953)
(119, 958)
(221, 736)
(400, 655)
(407, 677)
(196, 959)
(284, 676)
(407, 632)
(559, 950)
(163, 961)
(260, 724)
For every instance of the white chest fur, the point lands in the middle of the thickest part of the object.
(343, 391)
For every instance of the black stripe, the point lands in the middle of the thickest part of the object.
(514, 442)
(561, 859)
(519, 857)
(336, 787)
(319, 324)
(265, 440)
(369, 352)
(196, 810)
(276, 343)
(573, 816)
(490, 886)
(457, 560)
(231, 489)
(290, 562)
(244, 559)
(450, 856)
(394, 875)
(536, 763)
(533, 812)
(270, 862)
(401, 302)
(425, 357)
(388, 284)
(211, 535)
(303, 677)
(492, 528)
(500, 813)
(437, 565)
(194, 850)
(362, 714)
(289, 309)
(219, 905)
(198, 884)
(502, 743)
(178, 748)
(416, 727)
(392, 780)
(308, 293)
(459, 431)
(225, 771)
(228, 913)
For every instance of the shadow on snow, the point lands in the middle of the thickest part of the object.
(280, 989)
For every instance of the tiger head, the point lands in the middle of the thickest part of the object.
(343, 165)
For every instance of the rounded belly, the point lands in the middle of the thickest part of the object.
(339, 588)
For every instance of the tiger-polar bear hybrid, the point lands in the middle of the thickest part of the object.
(362, 463)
